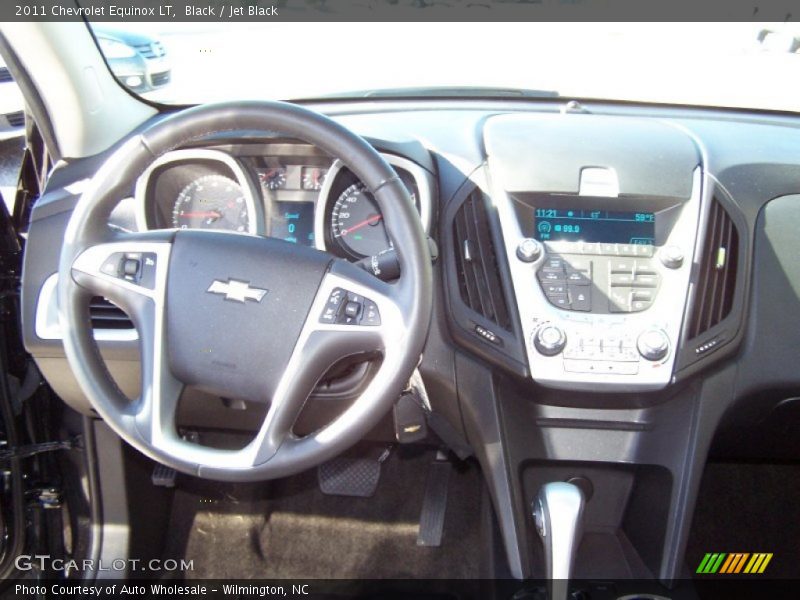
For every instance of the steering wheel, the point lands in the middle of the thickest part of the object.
(240, 316)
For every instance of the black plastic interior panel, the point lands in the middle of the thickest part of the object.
(482, 313)
(545, 153)
(713, 329)
(772, 348)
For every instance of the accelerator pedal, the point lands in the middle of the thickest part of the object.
(434, 505)
(356, 477)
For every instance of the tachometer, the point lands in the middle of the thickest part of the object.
(357, 223)
(211, 202)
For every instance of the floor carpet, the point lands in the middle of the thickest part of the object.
(289, 529)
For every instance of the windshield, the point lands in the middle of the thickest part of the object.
(717, 64)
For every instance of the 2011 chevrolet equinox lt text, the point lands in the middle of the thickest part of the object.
(516, 322)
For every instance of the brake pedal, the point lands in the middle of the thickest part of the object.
(163, 476)
(356, 477)
(434, 505)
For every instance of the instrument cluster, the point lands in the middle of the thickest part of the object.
(293, 193)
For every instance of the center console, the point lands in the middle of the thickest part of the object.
(599, 243)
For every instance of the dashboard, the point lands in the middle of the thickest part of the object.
(286, 191)
(616, 293)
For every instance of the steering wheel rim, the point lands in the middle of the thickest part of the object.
(90, 264)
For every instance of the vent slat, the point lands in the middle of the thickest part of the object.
(715, 283)
(469, 292)
(105, 315)
(727, 241)
(478, 266)
(478, 278)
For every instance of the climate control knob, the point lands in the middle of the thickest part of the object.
(653, 344)
(549, 339)
(529, 250)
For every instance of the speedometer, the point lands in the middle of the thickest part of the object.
(357, 223)
(211, 202)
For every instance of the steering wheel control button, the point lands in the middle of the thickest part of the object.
(133, 267)
(653, 344)
(351, 309)
(529, 250)
(348, 308)
(147, 273)
(549, 339)
(331, 311)
(370, 316)
(112, 264)
(671, 257)
(130, 268)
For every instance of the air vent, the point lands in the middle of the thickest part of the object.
(717, 278)
(5, 75)
(476, 263)
(106, 315)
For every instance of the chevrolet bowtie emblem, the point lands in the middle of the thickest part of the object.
(238, 291)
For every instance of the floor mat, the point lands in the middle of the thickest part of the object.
(749, 508)
(289, 529)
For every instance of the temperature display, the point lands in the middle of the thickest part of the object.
(619, 227)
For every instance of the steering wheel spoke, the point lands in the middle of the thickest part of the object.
(132, 274)
(354, 315)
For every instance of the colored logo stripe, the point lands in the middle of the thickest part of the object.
(711, 562)
(734, 563)
(758, 563)
(721, 562)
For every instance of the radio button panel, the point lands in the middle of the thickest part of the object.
(600, 284)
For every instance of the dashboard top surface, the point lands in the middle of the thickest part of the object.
(751, 158)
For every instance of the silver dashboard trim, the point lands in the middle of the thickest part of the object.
(140, 194)
(667, 312)
(48, 326)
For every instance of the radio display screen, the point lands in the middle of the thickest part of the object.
(574, 225)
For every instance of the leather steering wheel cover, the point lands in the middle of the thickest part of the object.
(114, 180)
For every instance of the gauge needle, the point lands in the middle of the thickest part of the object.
(209, 213)
(364, 223)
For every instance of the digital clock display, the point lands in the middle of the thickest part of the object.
(573, 225)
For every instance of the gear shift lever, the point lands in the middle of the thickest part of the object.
(558, 514)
